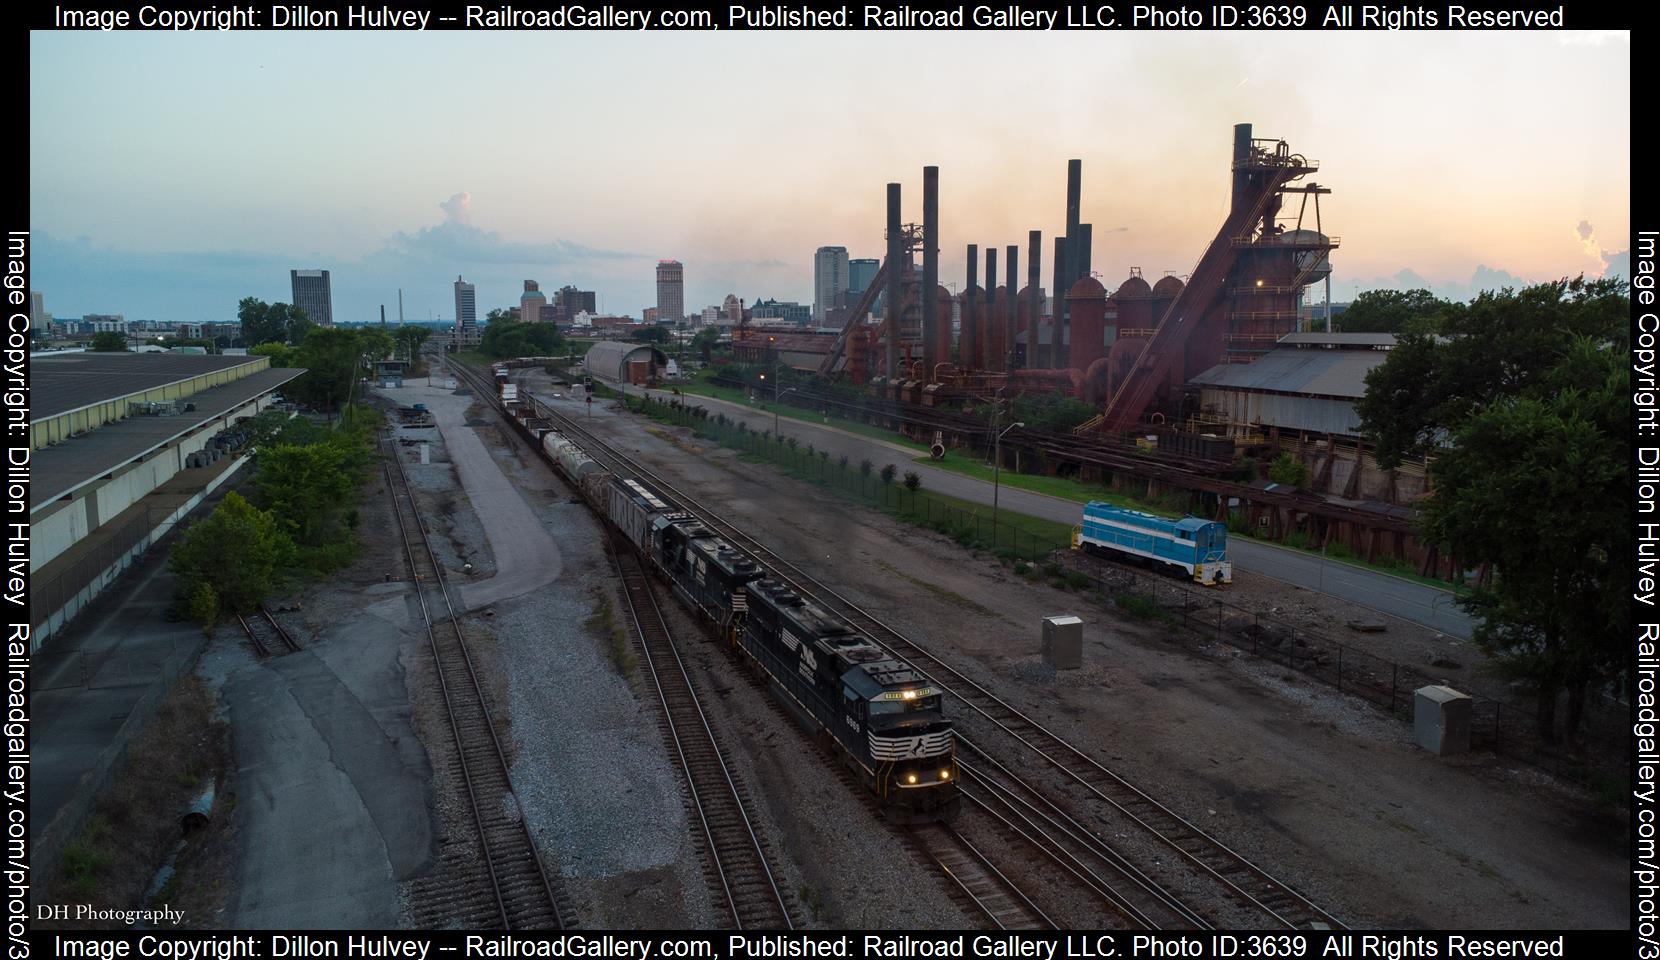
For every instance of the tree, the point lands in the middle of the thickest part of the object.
(1389, 311)
(510, 338)
(888, 473)
(409, 339)
(1500, 344)
(330, 356)
(271, 322)
(1538, 487)
(280, 353)
(651, 334)
(306, 487)
(1521, 396)
(913, 480)
(704, 343)
(236, 553)
(109, 342)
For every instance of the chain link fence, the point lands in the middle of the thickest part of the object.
(1507, 729)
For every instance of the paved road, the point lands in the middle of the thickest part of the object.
(1391, 595)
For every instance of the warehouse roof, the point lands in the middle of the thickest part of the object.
(1320, 373)
(71, 381)
(1315, 338)
(63, 468)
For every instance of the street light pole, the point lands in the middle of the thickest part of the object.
(996, 475)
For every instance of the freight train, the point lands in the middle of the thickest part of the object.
(1194, 547)
(879, 716)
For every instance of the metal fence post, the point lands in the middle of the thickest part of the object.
(1394, 678)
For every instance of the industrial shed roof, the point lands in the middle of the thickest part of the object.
(1314, 338)
(71, 381)
(608, 358)
(63, 468)
(1318, 373)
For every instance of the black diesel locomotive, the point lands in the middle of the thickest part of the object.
(881, 717)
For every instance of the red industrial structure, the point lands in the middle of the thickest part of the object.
(1131, 351)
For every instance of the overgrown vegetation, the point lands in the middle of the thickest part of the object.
(111, 861)
(503, 338)
(301, 522)
(603, 622)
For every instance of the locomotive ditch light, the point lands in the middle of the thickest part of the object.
(910, 778)
(945, 774)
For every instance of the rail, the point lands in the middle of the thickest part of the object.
(513, 887)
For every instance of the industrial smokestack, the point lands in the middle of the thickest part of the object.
(1241, 156)
(400, 306)
(383, 315)
(1011, 322)
(1058, 309)
(1085, 233)
(1074, 210)
(896, 253)
(968, 349)
(931, 273)
(990, 331)
(1034, 303)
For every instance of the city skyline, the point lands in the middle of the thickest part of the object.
(159, 197)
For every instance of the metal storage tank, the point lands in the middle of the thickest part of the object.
(1087, 304)
(1134, 299)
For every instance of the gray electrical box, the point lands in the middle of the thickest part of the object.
(1063, 642)
(1441, 720)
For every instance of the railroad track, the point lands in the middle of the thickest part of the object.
(499, 882)
(737, 857)
(266, 634)
(1235, 877)
(978, 879)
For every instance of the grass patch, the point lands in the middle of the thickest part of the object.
(603, 622)
(1063, 488)
(703, 388)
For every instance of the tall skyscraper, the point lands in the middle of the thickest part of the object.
(829, 279)
(311, 294)
(860, 273)
(671, 291)
(466, 309)
(573, 301)
(532, 303)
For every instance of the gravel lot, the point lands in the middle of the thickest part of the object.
(1318, 788)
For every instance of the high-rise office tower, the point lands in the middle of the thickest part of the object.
(829, 279)
(466, 309)
(311, 294)
(671, 291)
(860, 273)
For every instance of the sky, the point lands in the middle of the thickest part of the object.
(171, 175)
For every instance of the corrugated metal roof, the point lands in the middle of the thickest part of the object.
(63, 468)
(1315, 338)
(1320, 373)
(74, 380)
(608, 358)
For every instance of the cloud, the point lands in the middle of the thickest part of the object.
(459, 208)
(1617, 264)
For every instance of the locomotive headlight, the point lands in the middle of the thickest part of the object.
(945, 774)
(910, 778)
(908, 694)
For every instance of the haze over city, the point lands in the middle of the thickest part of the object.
(171, 175)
